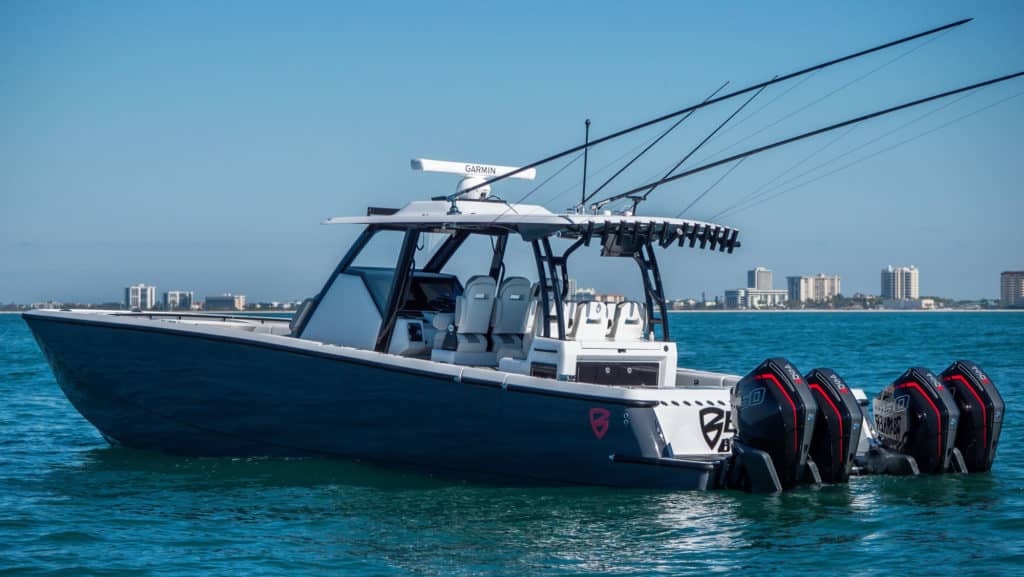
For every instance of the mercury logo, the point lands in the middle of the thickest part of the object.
(977, 373)
(791, 372)
(837, 382)
(478, 169)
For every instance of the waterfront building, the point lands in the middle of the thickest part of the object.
(909, 304)
(899, 283)
(752, 298)
(820, 288)
(583, 295)
(1011, 289)
(682, 304)
(178, 300)
(758, 294)
(225, 302)
(759, 278)
(140, 296)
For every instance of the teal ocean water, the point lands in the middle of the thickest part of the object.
(71, 505)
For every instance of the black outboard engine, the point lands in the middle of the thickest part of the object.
(775, 416)
(836, 427)
(981, 413)
(916, 415)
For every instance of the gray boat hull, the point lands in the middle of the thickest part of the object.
(189, 393)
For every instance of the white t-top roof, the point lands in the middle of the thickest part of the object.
(473, 214)
(532, 222)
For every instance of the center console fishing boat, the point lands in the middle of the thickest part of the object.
(492, 377)
(505, 377)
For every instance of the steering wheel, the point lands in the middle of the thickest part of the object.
(441, 304)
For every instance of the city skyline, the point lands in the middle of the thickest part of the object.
(143, 297)
(213, 168)
(815, 288)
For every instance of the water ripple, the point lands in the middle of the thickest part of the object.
(70, 505)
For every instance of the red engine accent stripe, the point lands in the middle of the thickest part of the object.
(984, 415)
(938, 415)
(796, 423)
(817, 387)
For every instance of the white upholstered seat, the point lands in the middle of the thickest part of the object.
(467, 331)
(511, 306)
(627, 322)
(509, 322)
(590, 323)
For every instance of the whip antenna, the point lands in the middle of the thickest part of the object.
(586, 149)
(646, 148)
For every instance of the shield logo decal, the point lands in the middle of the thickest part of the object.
(712, 425)
(599, 420)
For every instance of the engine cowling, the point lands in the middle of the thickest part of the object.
(917, 415)
(836, 427)
(775, 413)
(981, 413)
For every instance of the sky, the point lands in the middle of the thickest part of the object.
(198, 145)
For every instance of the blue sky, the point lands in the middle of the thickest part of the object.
(198, 145)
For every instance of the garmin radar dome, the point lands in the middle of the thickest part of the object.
(474, 183)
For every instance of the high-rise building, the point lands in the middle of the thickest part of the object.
(178, 300)
(226, 302)
(1011, 288)
(900, 283)
(758, 294)
(911, 280)
(759, 278)
(891, 283)
(140, 296)
(820, 288)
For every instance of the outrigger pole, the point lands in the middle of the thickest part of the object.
(675, 124)
(791, 139)
(706, 103)
(642, 197)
